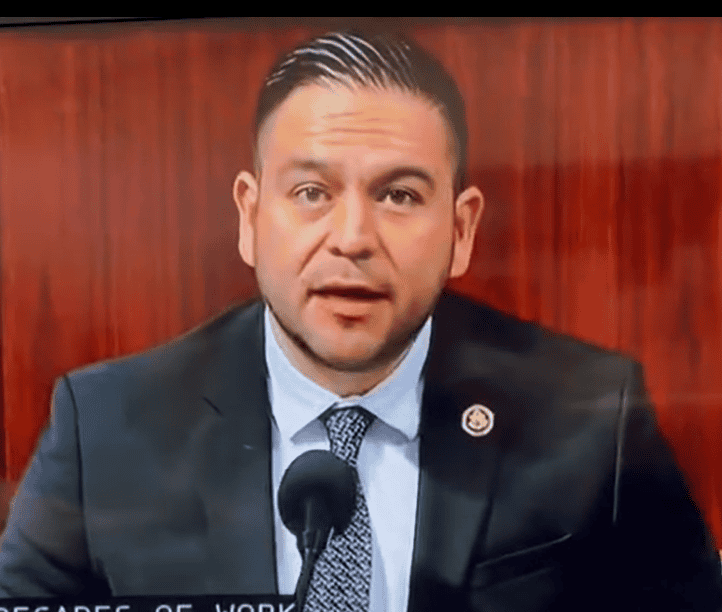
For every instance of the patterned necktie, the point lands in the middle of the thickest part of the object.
(342, 576)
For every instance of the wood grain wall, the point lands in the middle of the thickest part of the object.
(596, 143)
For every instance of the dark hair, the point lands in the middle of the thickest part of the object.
(369, 61)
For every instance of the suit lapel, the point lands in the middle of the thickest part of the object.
(236, 484)
(458, 472)
(468, 364)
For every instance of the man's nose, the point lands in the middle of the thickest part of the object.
(354, 227)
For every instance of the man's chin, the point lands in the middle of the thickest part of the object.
(354, 360)
(350, 351)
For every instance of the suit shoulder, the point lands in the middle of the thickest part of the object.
(181, 353)
(469, 327)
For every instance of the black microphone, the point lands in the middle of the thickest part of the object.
(317, 493)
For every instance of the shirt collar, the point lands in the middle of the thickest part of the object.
(296, 400)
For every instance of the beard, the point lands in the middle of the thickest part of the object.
(394, 347)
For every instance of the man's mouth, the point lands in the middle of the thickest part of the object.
(352, 293)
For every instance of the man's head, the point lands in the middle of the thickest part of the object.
(380, 61)
(355, 218)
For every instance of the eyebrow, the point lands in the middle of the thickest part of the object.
(305, 164)
(388, 177)
(403, 172)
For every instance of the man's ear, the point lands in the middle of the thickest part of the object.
(245, 193)
(467, 212)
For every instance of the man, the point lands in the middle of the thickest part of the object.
(499, 466)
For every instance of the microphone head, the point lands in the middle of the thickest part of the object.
(321, 478)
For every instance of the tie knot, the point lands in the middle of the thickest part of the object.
(346, 428)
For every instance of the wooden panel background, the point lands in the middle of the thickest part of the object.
(596, 143)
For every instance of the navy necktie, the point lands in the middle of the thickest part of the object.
(342, 577)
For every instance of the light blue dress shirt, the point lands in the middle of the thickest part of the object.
(388, 461)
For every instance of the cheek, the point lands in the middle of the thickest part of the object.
(274, 237)
(283, 249)
(272, 223)
(422, 250)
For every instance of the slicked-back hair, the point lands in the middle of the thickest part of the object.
(379, 61)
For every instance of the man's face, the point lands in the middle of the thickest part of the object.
(352, 226)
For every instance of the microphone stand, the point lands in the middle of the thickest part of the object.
(317, 492)
(311, 543)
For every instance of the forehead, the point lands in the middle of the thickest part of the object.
(336, 120)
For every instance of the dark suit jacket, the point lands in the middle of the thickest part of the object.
(153, 477)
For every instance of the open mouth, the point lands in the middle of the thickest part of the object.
(352, 293)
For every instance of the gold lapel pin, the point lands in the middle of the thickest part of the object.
(477, 420)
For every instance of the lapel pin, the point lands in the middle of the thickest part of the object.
(477, 420)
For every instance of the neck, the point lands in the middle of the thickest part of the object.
(342, 383)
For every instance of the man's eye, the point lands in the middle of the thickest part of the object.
(400, 197)
(311, 194)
